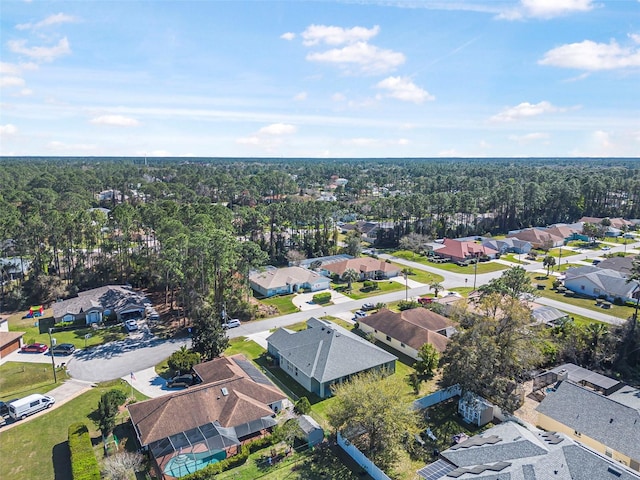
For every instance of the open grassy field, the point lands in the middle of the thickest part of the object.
(483, 267)
(38, 449)
(19, 379)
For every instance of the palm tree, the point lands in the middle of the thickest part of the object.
(549, 262)
(350, 275)
(436, 287)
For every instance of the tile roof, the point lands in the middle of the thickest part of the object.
(536, 236)
(413, 327)
(244, 402)
(277, 277)
(326, 351)
(599, 417)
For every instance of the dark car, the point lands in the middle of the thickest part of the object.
(63, 349)
(181, 381)
(368, 306)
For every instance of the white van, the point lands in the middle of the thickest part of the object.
(23, 407)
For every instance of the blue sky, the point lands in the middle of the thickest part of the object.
(405, 78)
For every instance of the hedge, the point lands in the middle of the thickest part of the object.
(208, 472)
(322, 297)
(84, 465)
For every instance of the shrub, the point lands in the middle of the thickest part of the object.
(321, 298)
(369, 285)
(618, 301)
(302, 406)
(84, 465)
(407, 305)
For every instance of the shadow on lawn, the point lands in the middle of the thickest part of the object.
(61, 457)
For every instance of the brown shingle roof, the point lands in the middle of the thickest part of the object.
(9, 337)
(413, 327)
(245, 401)
(362, 265)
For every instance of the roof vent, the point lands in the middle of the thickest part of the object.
(224, 391)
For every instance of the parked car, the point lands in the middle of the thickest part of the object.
(131, 325)
(63, 349)
(4, 408)
(234, 322)
(35, 348)
(359, 314)
(425, 300)
(181, 381)
(368, 306)
(22, 408)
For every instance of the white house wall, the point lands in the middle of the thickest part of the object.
(392, 342)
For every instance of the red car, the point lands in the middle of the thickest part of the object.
(35, 348)
(425, 300)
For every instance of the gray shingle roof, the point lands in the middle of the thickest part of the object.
(529, 456)
(110, 297)
(596, 416)
(609, 281)
(325, 351)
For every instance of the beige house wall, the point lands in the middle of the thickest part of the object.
(552, 425)
(397, 345)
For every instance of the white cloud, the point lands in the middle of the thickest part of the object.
(299, 97)
(546, 9)
(11, 81)
(115, 120)
(338, 97)
(45, 54)
(55, 19)
(530, 137)
(330, 35)
(365, 58)
(602, 139)
(374, 142)
(8, 129)
(288, 36)
(278, 129)
(525, 110)
(589, 55)
(404, 89)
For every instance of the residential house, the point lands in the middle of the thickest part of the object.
(459, 251)
(619, 223)
(325, 354)
(597, 282)
(279, 281)
(328, 260)
(508, 245)
(92, 306)
(409, 330)
(568, 232)
(186, 430)
(10, 342)
(513, 451)
(623, 265)
(475, 410)
(369, 268)
(609, 424)
(537, 237)
(13, 268)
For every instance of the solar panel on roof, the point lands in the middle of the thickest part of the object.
(255, 374)
(436, 470)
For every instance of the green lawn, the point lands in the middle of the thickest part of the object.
(620, 311)
(483, 267)
(248, 348)
(358, 292)
(283, 303)
(421, 276)
(19, 379)
(514, 258)
(464, 291)
(555, 252)
(33, 335)
(38, 449)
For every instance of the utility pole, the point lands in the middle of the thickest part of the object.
(53, 360)
(475, 272)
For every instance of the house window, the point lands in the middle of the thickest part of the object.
(388, 338)
(581, 287)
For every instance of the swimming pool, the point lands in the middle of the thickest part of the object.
(186, 463)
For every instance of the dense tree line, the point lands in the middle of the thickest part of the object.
(195, 228)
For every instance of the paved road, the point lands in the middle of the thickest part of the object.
(142, 351)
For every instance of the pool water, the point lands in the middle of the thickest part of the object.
(186, 463)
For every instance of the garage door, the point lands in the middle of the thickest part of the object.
(10, 347)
